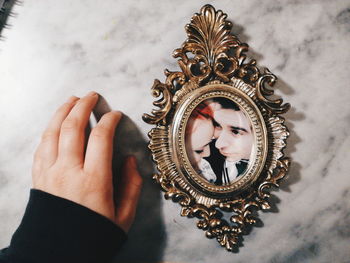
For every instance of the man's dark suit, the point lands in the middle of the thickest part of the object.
(217, 160)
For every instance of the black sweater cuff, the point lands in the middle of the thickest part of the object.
(55, 229)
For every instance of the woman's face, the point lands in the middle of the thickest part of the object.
(199, 139)
(234, 138)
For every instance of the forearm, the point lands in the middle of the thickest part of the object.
(54, 229)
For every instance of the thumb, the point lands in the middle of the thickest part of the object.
(128, 193)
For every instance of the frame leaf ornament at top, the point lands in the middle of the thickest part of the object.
(212, 55)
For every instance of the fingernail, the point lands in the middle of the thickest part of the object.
(72, 99)
(91, 93)
(118, 113)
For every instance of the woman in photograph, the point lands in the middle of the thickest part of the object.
(233, 138)
(199, 135)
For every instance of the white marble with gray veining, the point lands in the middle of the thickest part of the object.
(55, 49)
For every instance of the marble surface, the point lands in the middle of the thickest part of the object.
(55, 49)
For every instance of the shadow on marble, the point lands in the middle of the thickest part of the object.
(238, 30)
(146, 239)
(293, 176)
(292, 116)
(248, 229)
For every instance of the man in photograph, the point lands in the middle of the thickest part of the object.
(233, 139)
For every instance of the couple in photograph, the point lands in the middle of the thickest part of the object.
(219, 140)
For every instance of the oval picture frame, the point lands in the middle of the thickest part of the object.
(205, 192)
(219, 137)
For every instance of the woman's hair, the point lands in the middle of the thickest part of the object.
(226, 103)
(203, 112)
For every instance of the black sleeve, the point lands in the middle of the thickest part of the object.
(54, 229)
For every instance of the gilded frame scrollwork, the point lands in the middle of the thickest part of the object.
(213, 64)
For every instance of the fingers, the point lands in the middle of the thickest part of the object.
(72, 133)
(47, 149)
(99, 152)
(128, 194)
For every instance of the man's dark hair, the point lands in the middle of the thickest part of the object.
(226, 103)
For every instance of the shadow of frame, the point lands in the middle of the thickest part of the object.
(291, 117)
(146, 238)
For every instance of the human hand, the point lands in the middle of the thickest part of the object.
(60, 167)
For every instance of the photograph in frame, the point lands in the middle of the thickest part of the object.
(219, 140)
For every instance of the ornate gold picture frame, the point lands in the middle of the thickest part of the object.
(218, 138)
